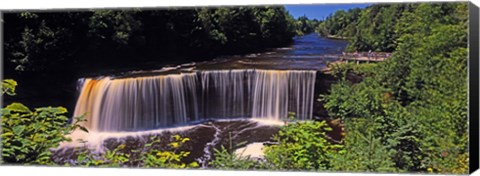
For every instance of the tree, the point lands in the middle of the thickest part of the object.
(302, 146)
(417, 99)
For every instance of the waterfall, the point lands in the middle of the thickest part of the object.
(141, 103)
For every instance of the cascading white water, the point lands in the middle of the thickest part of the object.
(275, 93)
(132, 104)
(226, 93)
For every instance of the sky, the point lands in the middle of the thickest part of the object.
(319, 11)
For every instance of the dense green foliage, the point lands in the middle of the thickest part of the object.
(42, 41)
(149, 155)
(339, 24)
(228, 160)
(374, 28)
(305, 26)
(302, 146)
(27, 136)
(8, 87)
(413, 109)
(342, 70)
(363, 152)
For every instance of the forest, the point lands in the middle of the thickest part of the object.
(76, 44)
(409, 113)
(406, 114)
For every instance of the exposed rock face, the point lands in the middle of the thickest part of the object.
(254, 150)
(203, 139)
(246, 138)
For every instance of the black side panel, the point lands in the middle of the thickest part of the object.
(473, 87)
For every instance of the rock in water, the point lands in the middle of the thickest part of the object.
(253, 150)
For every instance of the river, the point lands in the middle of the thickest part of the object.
(265, 85)
(309, 52)
(247, 96)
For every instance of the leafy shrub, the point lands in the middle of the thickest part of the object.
(347, 100)
(168, 158)
(229, 160)
(148, 156)
(8, 87)
(341, 70)
(363, 151)
(417, 99)
(28, 135)
(302, 145)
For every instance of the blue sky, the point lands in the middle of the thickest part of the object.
(319, 11)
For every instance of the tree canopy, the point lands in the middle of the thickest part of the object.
(45, 41)
(414, 107)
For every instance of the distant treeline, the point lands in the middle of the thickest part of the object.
(304, 25)
(376, 27)
(49, 40)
